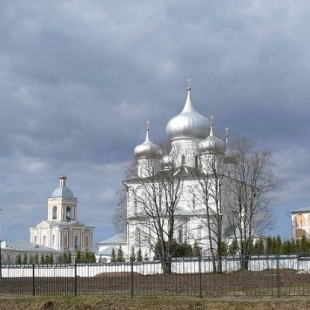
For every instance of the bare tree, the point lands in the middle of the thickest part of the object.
(120, 214)
(252, 186)
(235, 189)
(232, 193)
(153, 195)
(209, 181)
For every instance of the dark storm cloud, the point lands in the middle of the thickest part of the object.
(78, 81)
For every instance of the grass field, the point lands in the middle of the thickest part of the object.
(9, 302)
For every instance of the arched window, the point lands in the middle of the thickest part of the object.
(183, 160)
(66, 240)
(87, 241)
(76, 242)
(196, 161)
(180, 235)
(193, 201)
(68, 214)
(199, 230)
(133, 200)
(54, 213)
(135, 203)
(53, 240)
(300, 220)
(160, 201)
(35, 239)
(138, 237)
(44, 240)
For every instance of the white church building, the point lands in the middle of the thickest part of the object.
(62, 231)
(192, 142)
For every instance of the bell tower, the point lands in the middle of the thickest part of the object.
(62, 206)
(62, 231)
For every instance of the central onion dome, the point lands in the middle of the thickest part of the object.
(189, 124)
(147, 149)
(62, 190)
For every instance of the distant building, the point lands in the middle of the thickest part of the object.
(106, 247)
(300, 223)
(62, 231)
(10, 250)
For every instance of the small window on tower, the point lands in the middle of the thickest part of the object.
(54, 213)
(68, 214)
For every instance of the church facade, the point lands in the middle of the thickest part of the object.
(179, 190)
(62, 231)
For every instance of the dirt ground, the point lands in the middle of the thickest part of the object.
(267, 283)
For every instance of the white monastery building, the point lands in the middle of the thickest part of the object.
(62, 231)
(193, 144)
(106, 247)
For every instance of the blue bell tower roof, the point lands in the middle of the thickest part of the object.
(62, 190)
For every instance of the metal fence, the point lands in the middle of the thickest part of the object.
(265, 276)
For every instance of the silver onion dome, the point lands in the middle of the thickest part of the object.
(212, 143)
(188, 124)
(231, 156)
(147, 149)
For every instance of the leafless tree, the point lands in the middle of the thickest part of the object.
(120, 213)
(209, 178)
(252, 186)
(154, 196)
(233, 193)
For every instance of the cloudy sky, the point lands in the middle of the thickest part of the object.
(79, 79)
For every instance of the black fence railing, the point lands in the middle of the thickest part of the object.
(266, 276)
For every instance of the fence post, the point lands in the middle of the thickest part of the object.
(33, 280)
(131, 283)
(278, 278)
(75, 278)
(200, 276)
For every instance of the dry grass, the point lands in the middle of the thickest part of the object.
(159, 303)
